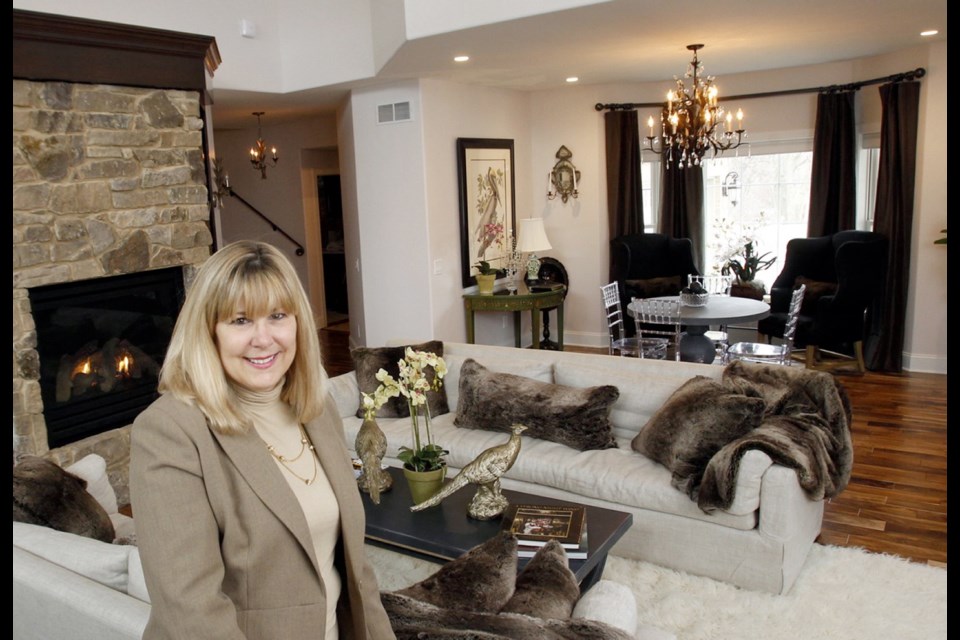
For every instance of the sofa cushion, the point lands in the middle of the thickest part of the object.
(368, 361)
(136, 583)
(47, 495)
(100, 561)
(644, 385)
(480, 580)
(546, 587)
(577, 418)
(700, 418)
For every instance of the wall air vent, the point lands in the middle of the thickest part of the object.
(396, 112)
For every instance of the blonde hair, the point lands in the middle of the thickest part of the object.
(258, 278)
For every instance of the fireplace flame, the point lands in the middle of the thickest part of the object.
(123, 366)
(82, 367)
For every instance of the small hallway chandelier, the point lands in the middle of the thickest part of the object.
(258, 154)
(690, 119)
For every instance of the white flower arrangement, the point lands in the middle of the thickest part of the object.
(413, 384)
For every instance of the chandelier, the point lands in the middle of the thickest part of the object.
(691, 121)
(258, 154)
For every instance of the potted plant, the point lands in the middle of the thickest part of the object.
(486, 275)
(424, 464)
(745, 268)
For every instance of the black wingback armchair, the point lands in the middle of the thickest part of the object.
(844, 273)
(647, 265)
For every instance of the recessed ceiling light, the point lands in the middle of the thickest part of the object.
(461, 58)
(572, 79)
(931, 32)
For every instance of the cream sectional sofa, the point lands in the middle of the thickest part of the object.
(71, 587)
(759, 543)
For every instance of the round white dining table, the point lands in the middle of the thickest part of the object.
(720, 310)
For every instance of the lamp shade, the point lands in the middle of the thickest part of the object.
(533, 237)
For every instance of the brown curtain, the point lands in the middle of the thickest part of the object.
(681, 206)
(893, 217)
(624, 187)
(833, 181)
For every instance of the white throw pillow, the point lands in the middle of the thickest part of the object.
(106, 563)
(610, 602)
(93, 469)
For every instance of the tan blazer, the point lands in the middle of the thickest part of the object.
(224, 543)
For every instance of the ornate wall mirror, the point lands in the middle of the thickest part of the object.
(563, 178)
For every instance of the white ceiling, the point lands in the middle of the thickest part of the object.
(629, 41)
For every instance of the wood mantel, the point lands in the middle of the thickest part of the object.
(48, 47)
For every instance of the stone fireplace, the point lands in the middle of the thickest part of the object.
(109, 183)
(101, 344)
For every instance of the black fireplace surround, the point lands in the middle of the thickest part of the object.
(101, 344)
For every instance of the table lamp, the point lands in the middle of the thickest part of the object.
(533, 238)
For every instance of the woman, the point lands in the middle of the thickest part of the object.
(249, 520)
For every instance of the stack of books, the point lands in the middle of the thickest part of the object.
(534, 525)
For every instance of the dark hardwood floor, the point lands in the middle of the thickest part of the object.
(896, 501)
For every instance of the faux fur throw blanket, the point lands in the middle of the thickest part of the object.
(805, 426)
(799, 417)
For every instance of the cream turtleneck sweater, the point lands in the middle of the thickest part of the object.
(277, 425)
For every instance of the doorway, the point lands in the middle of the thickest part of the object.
(334, 257)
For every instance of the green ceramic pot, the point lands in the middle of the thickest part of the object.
(424, 484)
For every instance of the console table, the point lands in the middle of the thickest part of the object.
(522, 300)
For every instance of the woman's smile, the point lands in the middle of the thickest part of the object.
(257, 352)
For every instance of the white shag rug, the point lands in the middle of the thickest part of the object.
(842, 594)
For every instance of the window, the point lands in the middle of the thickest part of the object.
(868, 166)
(764, 197)
(650, 179)
(764, 194)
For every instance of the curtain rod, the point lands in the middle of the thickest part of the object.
(834, 88)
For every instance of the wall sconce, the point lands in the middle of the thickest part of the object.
(221, 181)
(563, 178)
(731, 182)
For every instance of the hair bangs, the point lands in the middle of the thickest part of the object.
(257, 290)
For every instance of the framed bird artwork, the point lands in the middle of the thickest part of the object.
(487, 205)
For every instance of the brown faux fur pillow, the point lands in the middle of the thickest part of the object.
(571, 416)
(814, 291)
(368, 361)
(46, 495)
(480, 580)
(654, 287)
(470, 599)
(695, 422)
(546, 587)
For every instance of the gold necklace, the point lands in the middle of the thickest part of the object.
(305, 444)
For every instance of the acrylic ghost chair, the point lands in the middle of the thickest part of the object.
(772, 353)
(635, 346)
(658, 317)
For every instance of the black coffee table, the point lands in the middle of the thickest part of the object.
(445, 532)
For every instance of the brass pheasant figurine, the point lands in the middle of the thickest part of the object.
(371, 446)
(484, 471)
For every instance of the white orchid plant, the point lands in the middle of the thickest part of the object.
(413, 383)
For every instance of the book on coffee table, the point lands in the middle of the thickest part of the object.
(535, 525)
(525, 550)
